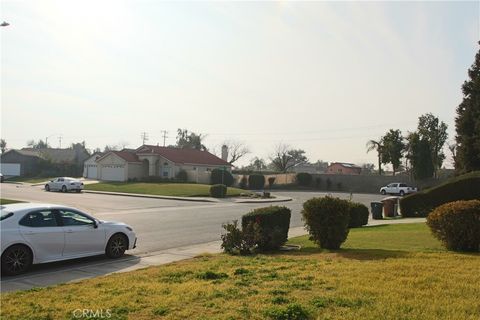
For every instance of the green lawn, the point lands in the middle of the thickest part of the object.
(30, 179)
(389, 272)
(9, 201)
(163, 189)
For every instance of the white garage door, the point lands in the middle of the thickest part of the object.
(91, 171)
(10, 169)
(113, 173)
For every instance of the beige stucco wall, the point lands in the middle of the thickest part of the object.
(135, 170)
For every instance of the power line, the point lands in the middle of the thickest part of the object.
(164, 136)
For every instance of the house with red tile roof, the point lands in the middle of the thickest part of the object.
(343, 168)
(155, 161)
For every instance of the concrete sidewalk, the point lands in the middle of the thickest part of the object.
(81, 269)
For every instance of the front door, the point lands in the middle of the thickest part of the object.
(41, 230)
(82, 237)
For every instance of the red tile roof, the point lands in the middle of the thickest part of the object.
(177, 155)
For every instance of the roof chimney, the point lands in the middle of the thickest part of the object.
(224, 153)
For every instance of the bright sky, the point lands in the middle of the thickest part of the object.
(321, 76)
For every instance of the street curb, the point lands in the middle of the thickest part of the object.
(277, 199)
(151, 196)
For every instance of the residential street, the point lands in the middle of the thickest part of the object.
(164, 224)
(167, 230)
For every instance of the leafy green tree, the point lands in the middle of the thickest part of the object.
(285, 158)
(393, 147)
(378, 146)
(434, 131)
(3, 145)
(419, 154)
(467, 122)
(189, 140)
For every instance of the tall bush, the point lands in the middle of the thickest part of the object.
(256, 181)
(358, 215)
(304, 179)
(220, 176)
(457, 225)
(273, 222)
(420, 204)
(326, 219)
(182, 176)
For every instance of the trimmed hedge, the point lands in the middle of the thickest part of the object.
(420, 204)
(274, 222)
(220, 176)
(256, 181)
(358, 215)
(304, 179)
(218, 191)
(457, 225)
(326, 219)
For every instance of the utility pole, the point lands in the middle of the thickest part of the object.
(60, 142)
(144, 137)
(164, 136)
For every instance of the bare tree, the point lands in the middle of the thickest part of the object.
(285, 158)
(236, 150)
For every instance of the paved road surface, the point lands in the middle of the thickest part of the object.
(164, 224)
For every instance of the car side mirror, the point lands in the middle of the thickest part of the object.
(95, 224)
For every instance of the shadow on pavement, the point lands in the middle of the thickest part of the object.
(53, 273)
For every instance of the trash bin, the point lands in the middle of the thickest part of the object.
(376, 210)
(390, 206)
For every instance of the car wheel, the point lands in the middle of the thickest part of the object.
(78, 191)
(64, 188)
(47, 187)
(384, 192)
(16, 260)
(402, 193)
(116, 246)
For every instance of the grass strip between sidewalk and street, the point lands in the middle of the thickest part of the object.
(160, 189)
(384, 272)
(9, 201)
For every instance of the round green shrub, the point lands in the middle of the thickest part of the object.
(326, 219)
(220, 176)
(218, 191)
(304, 179)
(274, 222)
(256, 181)
(358, 215)
(457, 225)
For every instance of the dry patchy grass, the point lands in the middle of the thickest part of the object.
(366, 283)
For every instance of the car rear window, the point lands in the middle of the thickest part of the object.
(5, 215)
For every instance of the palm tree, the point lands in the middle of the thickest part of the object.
(376, 145)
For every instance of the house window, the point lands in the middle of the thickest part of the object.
(165, 163)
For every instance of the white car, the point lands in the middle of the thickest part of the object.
(64, 184)
(34, 233)
(397, 188)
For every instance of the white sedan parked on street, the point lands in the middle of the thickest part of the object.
(64, 184)
(34, 233)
